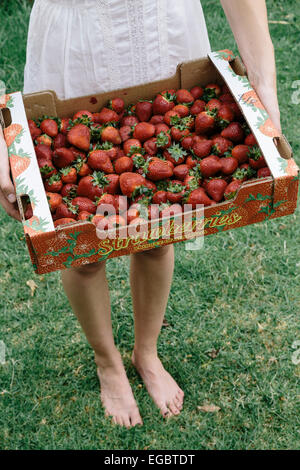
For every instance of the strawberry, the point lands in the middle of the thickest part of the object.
(203, 148)
(157, 119)
(198, 196)
(209, 166)
(215, 188)
(143, 131)
(117, 105)
(82, 168)
(231, 189)
(143, 110)
(197, 92)
(213, 104)
(49, 127)
(205, 122)
(229, 165)
(35, 132)
(158, 169)
(44, 139)
(256, 159)
(63, 157)
(121, 203)
(212, 90)
(226, 98)
(250, 140)
(263, 172)
(106, 115)
(28, 212)
(99, 160)
(240, 152)
(84, 215)
(129, 182)
(225, 116)
(129, 121)
(68, 175)
(83, 114)
(92, 186)
(191, 182)
(182, 110)
(47, 168)
(66, 210)
(53, 184)
(80, 136)
(131, 146)
(171, 117)
(113, 184)
(63, 221)
(184, 96)
(187, 142)
(160, 197)
(162, 140)
(69, 190)
(163, 103)
(59, 141)
(54, 200)
(236, 110)
(150, 146)
(221, 145)
(123, 164)
(64, 125)
(84, 204)
(111, 134)
(178, 132)
(191, 161)
(233, 132)
(175, 154)
(198, 107)
(43, 151)
(107, 204)
(175, 191)
(161, 127)
(181, 171)
(125, 133)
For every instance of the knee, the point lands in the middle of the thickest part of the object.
(157, 252)
(89, 269)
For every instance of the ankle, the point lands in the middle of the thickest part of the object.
(110, 360)
(144, 355)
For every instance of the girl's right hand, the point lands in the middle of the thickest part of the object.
(7, 190)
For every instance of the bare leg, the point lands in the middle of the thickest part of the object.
(87, 290)
(151, 277)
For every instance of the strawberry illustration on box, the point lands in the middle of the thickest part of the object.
(194, 155)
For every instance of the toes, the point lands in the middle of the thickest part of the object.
(178, 403)
(173, 408)
(165, 411)
(126, 421)
(135, 418)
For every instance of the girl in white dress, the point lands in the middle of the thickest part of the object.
(79, 47)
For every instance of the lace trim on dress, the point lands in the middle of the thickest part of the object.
(137, 39)
(162, 29)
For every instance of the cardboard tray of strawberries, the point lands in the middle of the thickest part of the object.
(109, 174)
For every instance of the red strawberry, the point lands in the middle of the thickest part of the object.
(47, 168)
(163, 103)
(236, 110)
(69, 190)
(59, 141)
(117, 105)
(229, 165)
(162, 140)
(123, 164)
(129, 121)
(43, 151)
(144, 131)
(225, 115)
(191, 161)
(264, 172)
(209, 166)
(84, 204)
(181, 171)
(160, 197)
(191, 182)
(106, 115)
(198, 196)
(84, 215)
(175, 154)
(35, 132)
(131, 146)
(179, 132)
(197, 92)
(53, 184)
(226, 98)
(107, 204)
(54, 200)
(92, 186)
(161, 127)
(250, 140)
(233, 132)
(111, 134)
(28, 212)
(83, 169)
(213, 104)
(66, 210)
(184, 96)
(125, 133)
(171, 117)
(256, 159)
(113, 184)
(175, 191)
(49, 127)
(232, 189)
(221, 145)
(121, 203)
(63, 157)
(84, 113)
(182, 110)
(44, 139)
(63, 221)
(68, 175)
(240, 152)
(215, 188)
(129, 182)
(64, 124)
(212, 90)
(203, 148)
(187, 142)
(204, 122)
(158, 169)
(198, 107)
(80, 136)
(150, 146)
(143, 110)
(157, 119)
(99, 160)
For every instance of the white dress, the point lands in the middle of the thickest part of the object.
(80, 47)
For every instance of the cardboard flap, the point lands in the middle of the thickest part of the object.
(254, 113)
(39, 104)
(24, 167)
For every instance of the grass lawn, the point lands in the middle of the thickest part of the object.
(233, 315)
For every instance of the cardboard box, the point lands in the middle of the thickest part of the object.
(75, 244)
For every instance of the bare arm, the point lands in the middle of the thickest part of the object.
(7, 191)
(249, 23)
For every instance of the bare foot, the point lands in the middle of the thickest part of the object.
(117, 397)
(161, 386)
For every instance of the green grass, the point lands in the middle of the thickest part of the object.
(239, 295)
